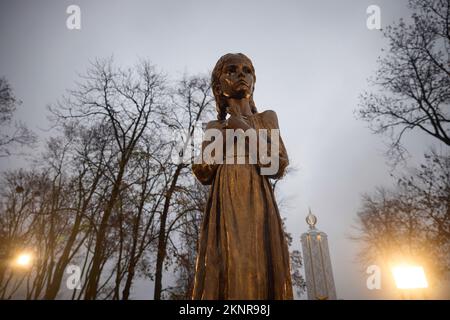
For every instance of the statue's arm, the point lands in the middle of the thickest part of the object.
(271, 122)
(205, 172)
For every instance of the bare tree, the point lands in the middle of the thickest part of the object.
(191, 103)
(17, 222)
(32, 220)
(67, 157)
(296, 263)
(413, 78)
(411, 221)
(296, 260)
(184, 241)
(141, 204)
(16, 134)
(126, 101)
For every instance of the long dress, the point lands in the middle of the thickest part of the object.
(242, 252)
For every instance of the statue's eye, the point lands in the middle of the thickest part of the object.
(247, 70)
(231, 69)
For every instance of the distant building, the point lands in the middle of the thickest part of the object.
(316, 257)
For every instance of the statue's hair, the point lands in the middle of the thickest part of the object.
(221, 106)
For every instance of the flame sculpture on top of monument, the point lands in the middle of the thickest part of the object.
(318, 270)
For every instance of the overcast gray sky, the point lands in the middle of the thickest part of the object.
(312, 59)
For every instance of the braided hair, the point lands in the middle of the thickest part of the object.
(221, 101)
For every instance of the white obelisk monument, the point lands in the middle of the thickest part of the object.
(316, 257)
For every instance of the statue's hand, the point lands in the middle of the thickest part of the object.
(236, 122)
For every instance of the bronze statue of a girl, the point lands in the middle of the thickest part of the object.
(242, 251)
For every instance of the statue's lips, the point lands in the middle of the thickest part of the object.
(240, 82)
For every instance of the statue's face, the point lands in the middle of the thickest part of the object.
(236, 80)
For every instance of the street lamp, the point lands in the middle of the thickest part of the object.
(23, 260)
(409, 278)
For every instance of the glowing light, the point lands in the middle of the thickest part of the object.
(409, 277)
(24, 260)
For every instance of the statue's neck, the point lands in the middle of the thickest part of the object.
(240, 105)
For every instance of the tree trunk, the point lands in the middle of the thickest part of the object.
(94, 275)
(162, 235)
